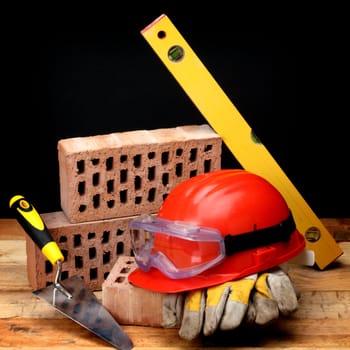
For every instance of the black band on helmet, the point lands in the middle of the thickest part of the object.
(260, 238)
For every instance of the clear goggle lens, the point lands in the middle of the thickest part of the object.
(178, 249)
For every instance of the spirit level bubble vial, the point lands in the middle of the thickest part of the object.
(225, 119)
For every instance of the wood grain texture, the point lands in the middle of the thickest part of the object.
(322, 320)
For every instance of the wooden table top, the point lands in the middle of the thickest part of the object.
(321, 321)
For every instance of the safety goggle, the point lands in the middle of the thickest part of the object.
(182, 250)
(177, 249)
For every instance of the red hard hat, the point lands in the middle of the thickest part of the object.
(241, 205)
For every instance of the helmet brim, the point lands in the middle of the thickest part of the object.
(155, 280)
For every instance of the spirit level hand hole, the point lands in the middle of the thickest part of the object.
(161, 34)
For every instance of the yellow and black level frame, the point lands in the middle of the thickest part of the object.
(226, 120)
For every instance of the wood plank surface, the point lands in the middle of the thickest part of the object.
(321, 321)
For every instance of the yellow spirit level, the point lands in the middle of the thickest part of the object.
(225, 119)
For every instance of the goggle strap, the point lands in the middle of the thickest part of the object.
(260, 238)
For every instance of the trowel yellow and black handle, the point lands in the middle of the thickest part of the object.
(35, 227)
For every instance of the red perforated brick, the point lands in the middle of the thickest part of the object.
(90, 250)
(128, 304)
(130, 173)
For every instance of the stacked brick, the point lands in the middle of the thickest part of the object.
(128, 304)
(105, 181)
(130, 173)
(90, 250)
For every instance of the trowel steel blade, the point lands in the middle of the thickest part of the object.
(73, 298)
(85, 309)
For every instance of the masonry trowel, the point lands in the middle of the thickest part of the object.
(71, 297)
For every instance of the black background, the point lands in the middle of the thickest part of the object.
(88, 70)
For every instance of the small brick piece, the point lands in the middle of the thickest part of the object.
(90, 250)
(128, 304)
(131, 173)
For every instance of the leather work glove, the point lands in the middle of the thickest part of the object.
(258, 298)
(274, 294)
(223, 306)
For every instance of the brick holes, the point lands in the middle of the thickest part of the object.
(76, 241)
(106, 258)
(193, 173)
(93, 273)
(207, 165)
(119, 232)
(193, 154)
(178, 169)
(80, 166)
(110, 203)
(151, 194)
(110, 186)
(62, 239)
(151, 155)
(138, 200)
(48, 267)
(120, 248)
(123, 158)
(95, 161)
(165, 157)
(91, 235)
(165, 179)
(137, 182)
(120, 279)
(64, 275)
(96, 200)
(151, 173)
(179, 152)
(78, 262)
(137, 160)
(82, 208)
(96, 179)
(123, 196)
(123, 175)
(105, 237)
(64, 253)
(81, 188)
(208, 148)
(109, 163)
(92, 253)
